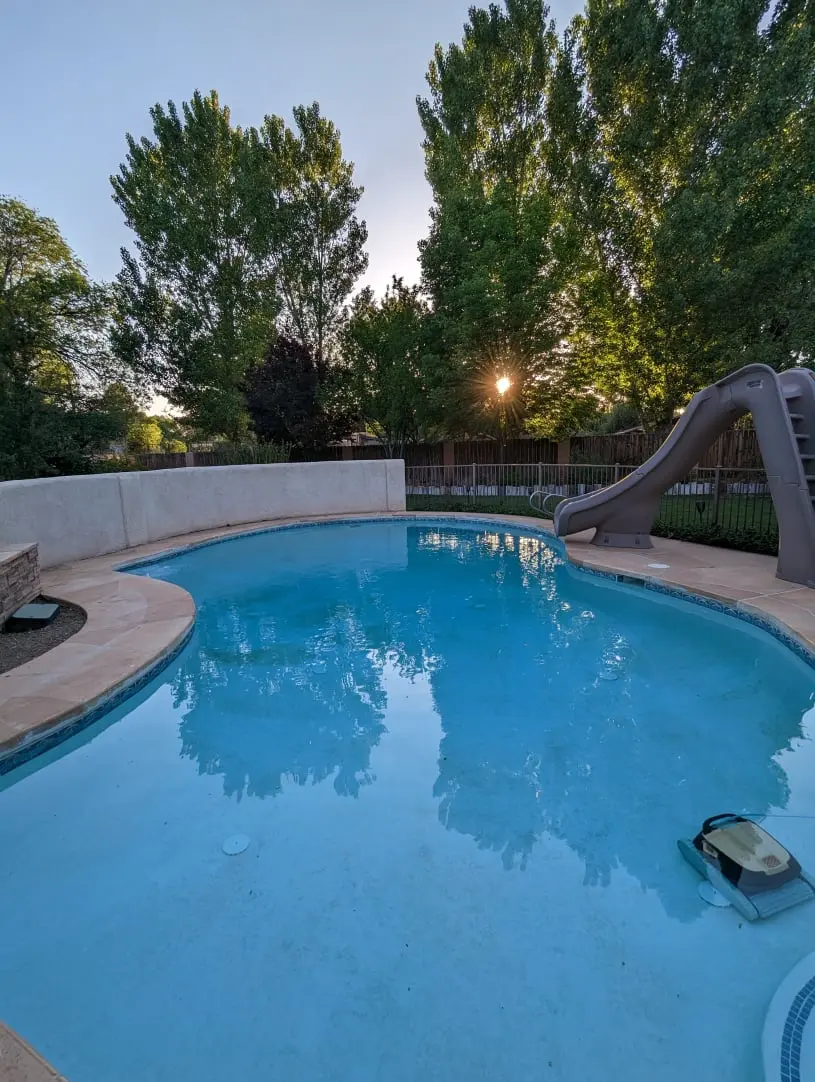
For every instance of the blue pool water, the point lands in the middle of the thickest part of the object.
(462, 768)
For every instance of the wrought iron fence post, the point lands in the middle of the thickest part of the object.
(717, 473)
(473, 488)
(616, 472)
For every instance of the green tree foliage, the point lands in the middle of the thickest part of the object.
(174, 430)
(133, 427)
(51, 310)
(385, 355)
(620, 417)
(754, 293)
(53, 351)
(498, 261)
(144, 435)
(624, 215)
(320, 253)
(121, 405)
(288, 399)
(235, 231)
(197, 301)
(687, 132)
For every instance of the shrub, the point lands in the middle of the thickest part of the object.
(144, 436)
(742, 538)
(116, 464)
(242, 454)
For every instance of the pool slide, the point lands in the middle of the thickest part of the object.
(783, 409)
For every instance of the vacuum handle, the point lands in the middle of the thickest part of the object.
(725, 817)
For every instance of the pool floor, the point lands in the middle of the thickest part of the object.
(462, 768)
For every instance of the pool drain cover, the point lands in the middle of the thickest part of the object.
(709, 894)
(235, 844)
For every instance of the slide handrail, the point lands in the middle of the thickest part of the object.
(546, 496)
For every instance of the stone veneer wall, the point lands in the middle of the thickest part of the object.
(19, 578)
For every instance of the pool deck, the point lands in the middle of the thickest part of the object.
(20, 1063)
(134, 622)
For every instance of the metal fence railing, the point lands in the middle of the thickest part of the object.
(734, 501)
(478, 480)
(722, 506)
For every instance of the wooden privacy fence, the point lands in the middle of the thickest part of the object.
(452, 452)
(449, 453)
(736, 449)
(486, 451)
(160, 461)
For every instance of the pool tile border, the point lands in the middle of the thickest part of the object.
(39, 743)
(789, 1017)
(726, 608)
(794, 1031)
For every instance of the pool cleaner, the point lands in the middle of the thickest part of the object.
(747, 866)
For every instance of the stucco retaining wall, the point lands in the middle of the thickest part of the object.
(72, 518)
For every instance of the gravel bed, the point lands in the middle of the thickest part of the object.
(18, 647)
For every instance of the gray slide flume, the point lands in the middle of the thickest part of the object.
(783, 409)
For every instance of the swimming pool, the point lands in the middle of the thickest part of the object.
(461, 767)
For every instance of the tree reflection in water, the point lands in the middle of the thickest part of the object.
(602, 722)
(266, 699)
(568, 709)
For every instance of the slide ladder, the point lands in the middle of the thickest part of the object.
(783, 410)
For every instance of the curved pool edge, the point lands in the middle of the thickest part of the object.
(19, 1062)
(788, 1039)
(136, 625)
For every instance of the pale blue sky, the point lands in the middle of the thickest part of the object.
(75, 75)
